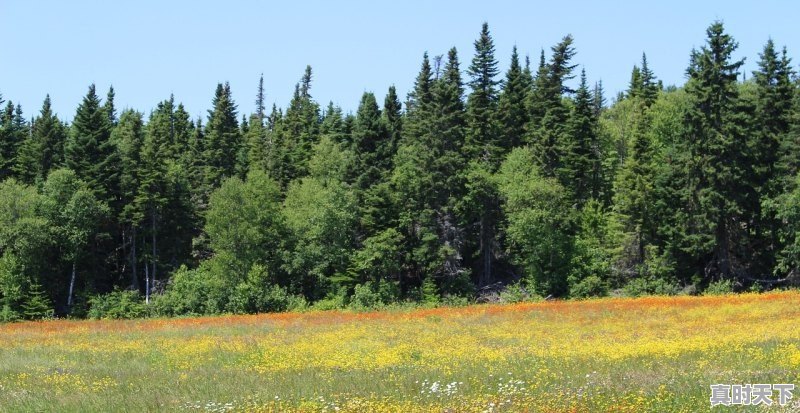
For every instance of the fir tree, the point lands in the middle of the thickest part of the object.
(581, 164)
(481, 138)
(89, 151)
(511, 110)
(222, 138)
(548, 127)
(717, 184)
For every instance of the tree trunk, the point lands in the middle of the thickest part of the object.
(71, 286)
(147, 284)
(154, 258)
(135, 281)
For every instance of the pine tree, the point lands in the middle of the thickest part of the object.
(297, 132)
(511, 110)
(89, 150)
(47, 140)
(634, 199)
(129, 136)
(581, 164)
(260, 104)
(635, 84)
(369, 134)
(482, 137)
(13, 132)
(717, 184)
(548, 128)
(222, 138)
(393, 122)
(775, 95)
(598, 99)
(649, 87)
(773, 110)
(111, 111)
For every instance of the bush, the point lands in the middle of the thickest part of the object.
(591, 286)
(455, 301)
(192, 292)
(371, 295)
(429, 292)
(117, 305)
(333, 301)
(638, 287)
(720, 287)
(517, 293)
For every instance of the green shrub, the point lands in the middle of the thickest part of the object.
(591, 286)
(638, 287)
(117, 305)
(720, 287)
(374, 294)
(455, 301)
(333, 301)
(429, 292)
(517, 293)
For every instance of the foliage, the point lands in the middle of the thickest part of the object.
(119, 304)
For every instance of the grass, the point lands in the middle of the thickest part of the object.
(645, 354)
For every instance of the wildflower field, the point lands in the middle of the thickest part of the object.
(646, 354)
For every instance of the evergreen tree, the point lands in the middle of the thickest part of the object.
(222, 138)
(511, 110)
(716, 182)
(43, 150)
(649, 87)
(775, 97)
(582, 159)
(548, 127)
(393, 122)
(482, 137)
(369, 134)
(89, 151)
(129, 136)
(598, 99)
(13, 132)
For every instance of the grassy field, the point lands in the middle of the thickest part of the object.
(647, 354)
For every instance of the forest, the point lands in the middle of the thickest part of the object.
(479, 181)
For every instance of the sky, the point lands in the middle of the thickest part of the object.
(149, 49)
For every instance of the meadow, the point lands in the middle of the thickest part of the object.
(613, 354)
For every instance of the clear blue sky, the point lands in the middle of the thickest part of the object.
(150, 48)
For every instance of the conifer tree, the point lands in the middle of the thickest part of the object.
(648, 86)
(548, 127)
(43, 150)
(582, 158)
(512, 112)
(13, 132)
(222, 138)
(717, 184)
(482, 135)
(598, 99)
(90, 152)
(393, 121)
(129, 136)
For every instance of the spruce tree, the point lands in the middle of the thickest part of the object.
(393, 121)
(14, 130)
(45, 147)
(129, 136)
(582, 159)
(717, 183)
(482, 134)
(512, 112)
(222, 138)
(548, 126)
(90, 152)
(648, 86)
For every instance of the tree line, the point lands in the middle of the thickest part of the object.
(478, 178)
